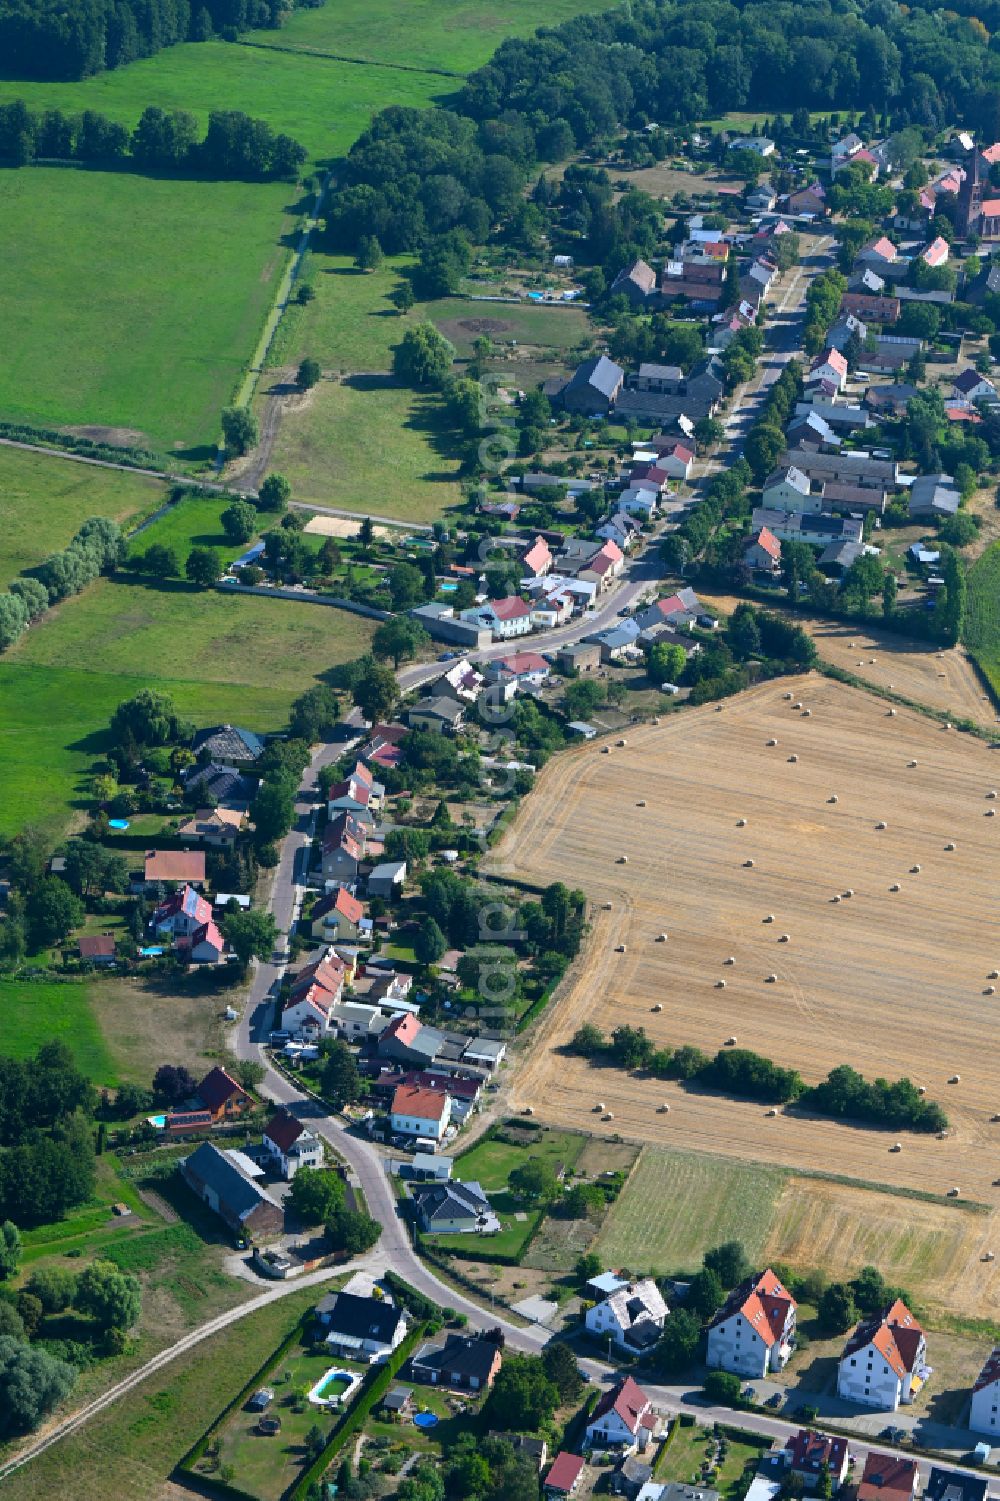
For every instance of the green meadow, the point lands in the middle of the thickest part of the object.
(194, 521)
(322, 103)
(982, 618)
(221, 657)
(43, 501)
(422, 33)
(35, 1012)
(133, 302)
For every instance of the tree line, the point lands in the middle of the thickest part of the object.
(844, 1094)
(234, 144)
(46, 1138)
(75, 38)
(97, 548)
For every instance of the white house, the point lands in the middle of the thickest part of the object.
(552, 610)
(763, 552)
(632, 1316)
(639, 500)
(367, 1329)
(182, 914)
(884, 1360)
(504, 617)
(523, 669)
(289, 1144)
(761, 145)
(420, 1112)
(972, 386)
(754, 1331)
(830, 365)
(984, 1417)
(623, 1418)
(843, 150)
(621, 529)
(786, 489)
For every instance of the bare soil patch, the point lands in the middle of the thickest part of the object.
(892, 982)
(116, 437)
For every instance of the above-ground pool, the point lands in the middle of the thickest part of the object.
(118, 823)
(425, 1419)
(335, 1388)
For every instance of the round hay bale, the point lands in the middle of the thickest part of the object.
(748, 865)
(889, 685)
(895, 886)
(881, 824)
(948, 724)
(768, 918)
(950, 845)
(990, 990)
(770, 1113)
(600, 1108)
(641, 803)
(605, 750)
(797, 705)
(658, 1007)
(955, 1079)
(656, 719)
(720, 984)
(990, 813)
(897, 1146)
(621, 742)
(988, 1256)
(994, 974)
(731, 1041)
(661, 937)
(911, 764)
(807, 714)
(741, 823)
(770, 979)
(786, 696)
(792, 760)
(772, 741)
(608, 1115)
(528, 1110)
(833, 798)
(835, 899)
(622, 860)
(991, 794)
(730, 960)
(785, 938)
(921, 1089)
(892, 714)
(953, 1193)
(914, 870)
(871, 661)
(606, 906)
(849, 892)
(619, 948)
(663, 1109)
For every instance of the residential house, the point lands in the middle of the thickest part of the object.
(342, 848)
(810, 201)
(936, 253)
(169, 866)
(461, 1208)
(439, 621)
(218, 826)
(680, 609)
(632, 1477)
(804, 526)
(809, 1453)
(552, 609)
(761, 200)
(891, 353)
(969, 385)
(336, 917)
(623, 1418)
(97, 948)
(582, 656)
(632, 1317)
(593, 387)
(810, 430)
(933, 495)
(637, 282)
(619, 642)
(955, 1485)
(849, 468)
(439, 715)
(844, 151)
(205, 945)
(357, 1021)
(290, 1144)
(753, 1333)
(228, 745)
(839, 556)
(664, 379)
(407, 1040)
(639, 500)
(701, 285)
(522, 670)
(505, 618)
(879, 253)
(383, 747)
(537, 561)
(358, 794)
(871, 307)
(564, 1475)
(221, 784)
(534, 1449)
(621, 529)
(365, 1329)
(181, 914)
(424, 1113)
(830, 365)
(984, 1416)
(387, 879)
(316, 989)
(786, 489)
(604, 567)
(840, 416)
(888, 1477)
(465, 1362)
(889, 401)
(761, 146)
(398, 1402)
(219, 1093)
(226, 1182)
(884, 1360)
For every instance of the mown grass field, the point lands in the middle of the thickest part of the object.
(676, 1205)
(423, 34)
(133, 302)
(131, 1448)
(324, 104)
(350, 325)
(33, 1012)
(221, 657)
(195, 521)
(371, 447)
(43, 501)
(982, 617)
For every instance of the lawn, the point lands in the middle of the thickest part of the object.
(193, 522)
(324, 104)
(131, 302)
(44, 501)
(221, 657)
(130, 1449)
(34, 1012)
(463, 321)
(371, 447)
(677, 1205)
(425, 34)
(982, 619)
(134, 1017)
(681, 1462)
(350, 324)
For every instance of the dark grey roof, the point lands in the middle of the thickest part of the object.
(228, 742)
(661, 407)
(600, 374)
(239, 1193)
(359, 1318)
(450, 1200)
(468, 1355)
(222, 782)
(950, 1485)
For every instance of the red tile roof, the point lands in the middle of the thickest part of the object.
(511, 608)
(896, 1335)
(810, 1451)
(936, 253)
(284, 1130)
(175, 865)
(763, 1302)
(766, 539)
(628, 1400)
(207, 933)
(524, 661)
(97, 946)
(565, 1472)
(404, 1028)
(887, 1475)
(538, 556)
(424, 1104)
(990, 1371)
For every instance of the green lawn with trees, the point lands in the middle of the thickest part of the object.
(195, 521)
(982, 617)
(44, 500)
(155, 344)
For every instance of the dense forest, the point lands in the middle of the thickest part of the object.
(420, 173)
(74, 38)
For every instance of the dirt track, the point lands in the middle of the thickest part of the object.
(891, 982)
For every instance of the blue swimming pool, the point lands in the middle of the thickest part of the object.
(117, 823)
(150, 953)
(425, 1419)
(159, 1121)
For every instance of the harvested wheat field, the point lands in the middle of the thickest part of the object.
(942, 679)
(891, 981)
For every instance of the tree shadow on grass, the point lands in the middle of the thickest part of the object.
(202, 453)
(429, 418)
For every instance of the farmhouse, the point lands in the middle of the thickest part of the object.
(754, 1331)
(623, 1418)
(632, 1316)
(593, 387)
(503, 617)
(366, 1329)
(637, 282)
(225, 1181)
(289, 1143)
(809, 1453)
(984, 1416)
(466, 1362)
(884, 1360)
